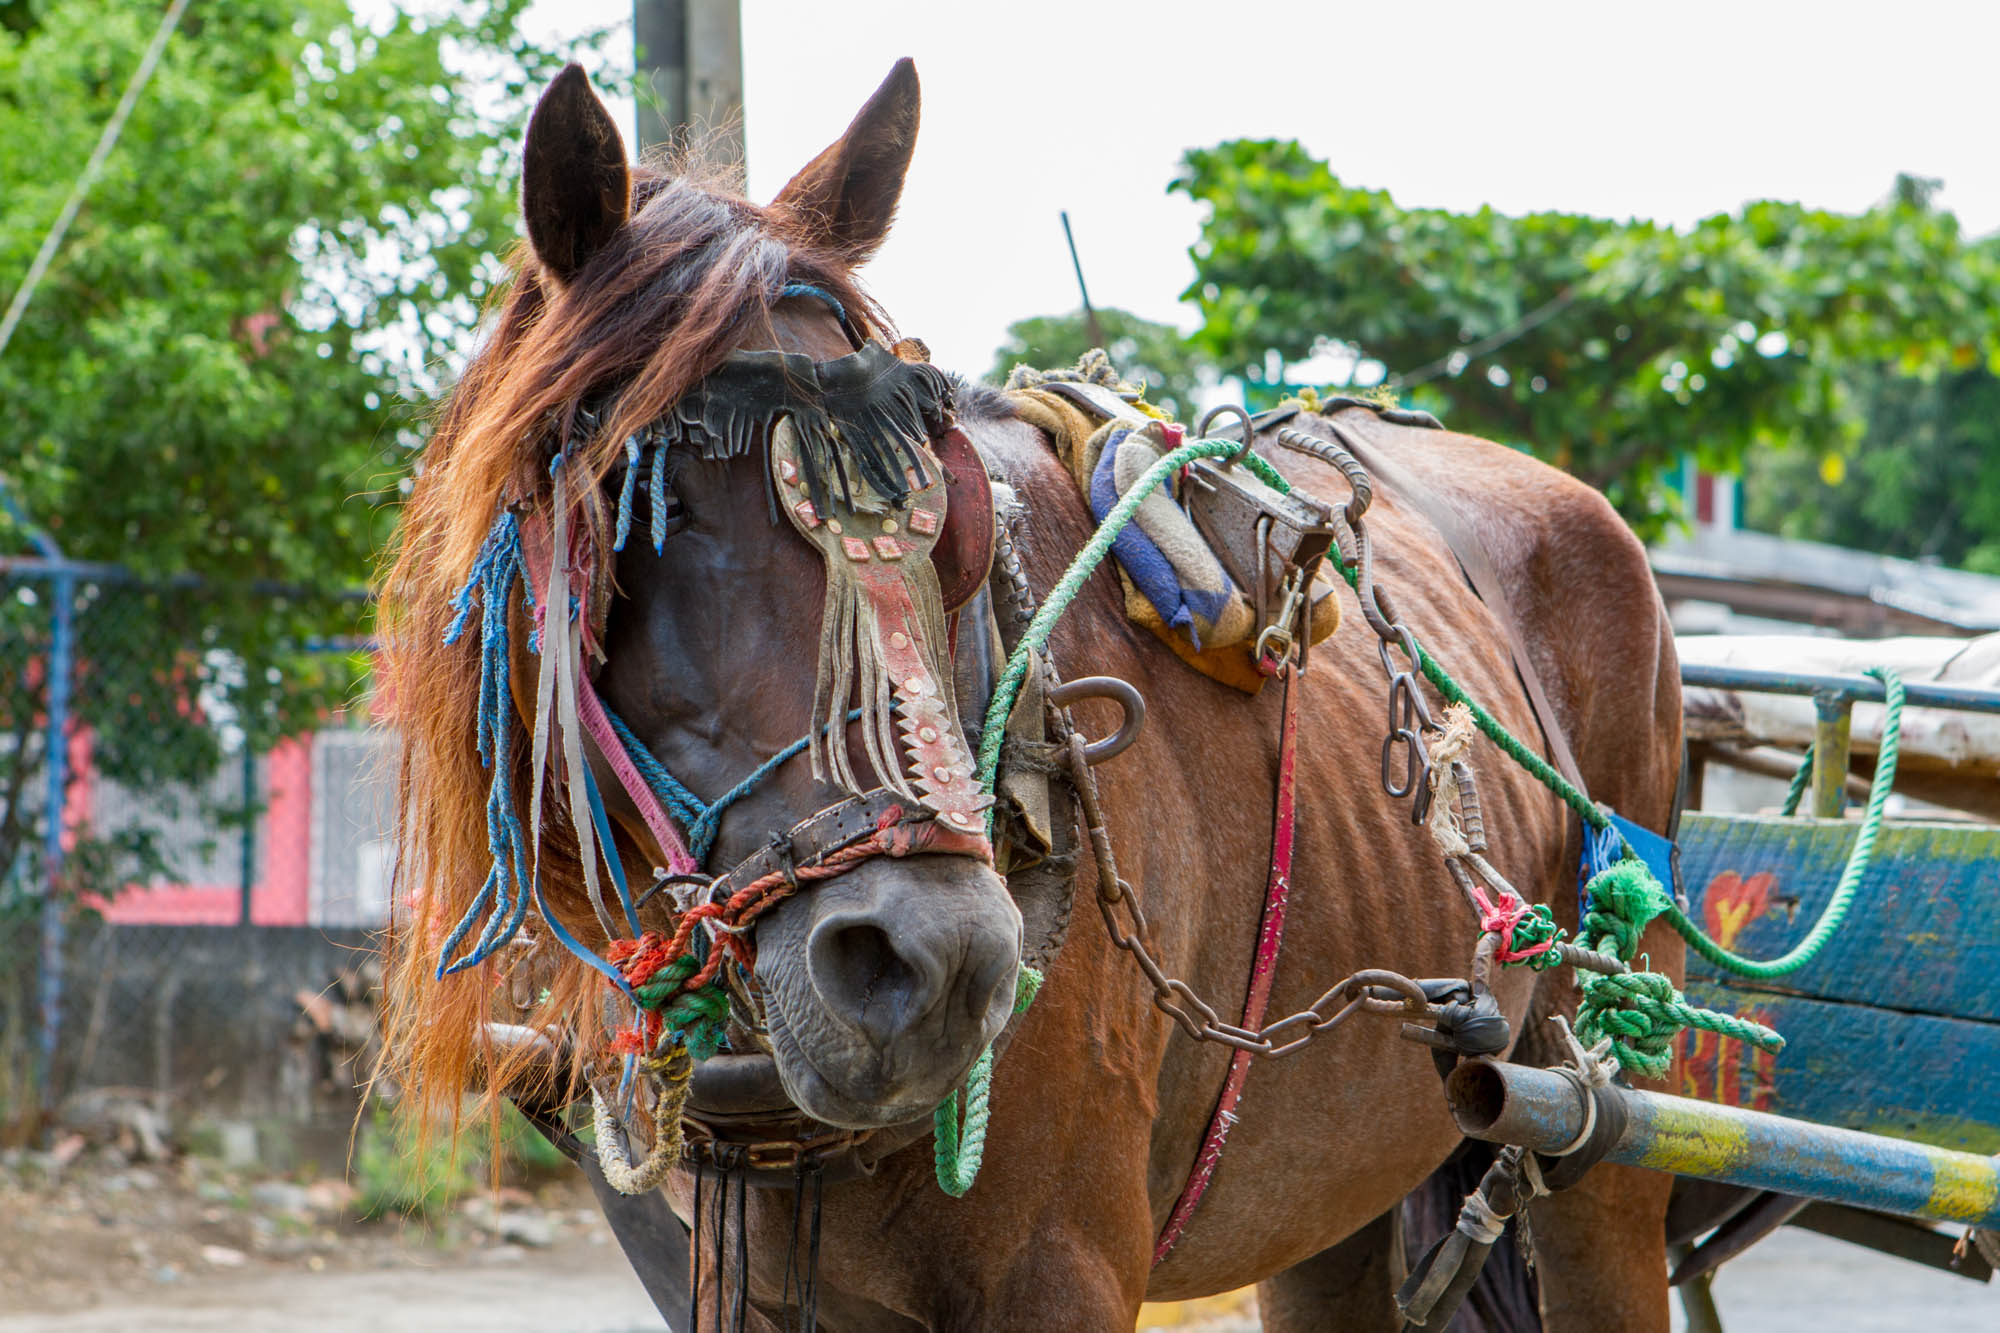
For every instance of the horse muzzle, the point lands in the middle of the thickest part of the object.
(884, 985)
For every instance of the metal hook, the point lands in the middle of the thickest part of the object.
(1117, 691)
(1249, 429)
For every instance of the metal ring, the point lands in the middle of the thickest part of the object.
(1119, 692)
(1249, 429)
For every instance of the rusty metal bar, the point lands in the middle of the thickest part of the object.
(1543, 1110)
(1833, 726)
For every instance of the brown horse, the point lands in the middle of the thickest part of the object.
(886, 983)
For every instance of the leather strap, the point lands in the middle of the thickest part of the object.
(912, 831)
(1263, 969)
(1484, 580)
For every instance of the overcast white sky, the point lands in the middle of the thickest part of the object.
(1662, 110)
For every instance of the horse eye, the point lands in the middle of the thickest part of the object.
(676, 514)
(645, 505)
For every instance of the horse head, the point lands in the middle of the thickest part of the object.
(698, 429)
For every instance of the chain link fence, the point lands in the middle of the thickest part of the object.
(193, 862)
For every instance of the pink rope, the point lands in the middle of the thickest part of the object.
(1500, 919)
(597, 725)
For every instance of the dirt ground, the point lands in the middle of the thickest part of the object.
(102, 1247)
(95, 1245)
(185, 1235)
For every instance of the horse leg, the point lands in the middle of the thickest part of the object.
(1350, 1286)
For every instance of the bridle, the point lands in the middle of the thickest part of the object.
(864, 461)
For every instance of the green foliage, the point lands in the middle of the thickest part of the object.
(523, 1147)
(1160, 355)
(1922, 482)
(399, 1169)
(221, 381)
(1612, 349)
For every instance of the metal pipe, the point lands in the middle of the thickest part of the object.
(55, 762)
(247, 852)
(1833, 726)
(1861, 689)
(1545, 1111)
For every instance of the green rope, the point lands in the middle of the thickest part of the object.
(700, 1017)
(1641, 1011)
(1800, 780)
(1858, 860)
(1080, 569)
(958, 1157)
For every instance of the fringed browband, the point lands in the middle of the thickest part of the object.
(861, 422)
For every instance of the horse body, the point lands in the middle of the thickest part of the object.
(882, 984)
(1101, 1104)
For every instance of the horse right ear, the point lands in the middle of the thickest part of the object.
(576, 190)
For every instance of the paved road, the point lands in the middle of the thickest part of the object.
(1797, 1282)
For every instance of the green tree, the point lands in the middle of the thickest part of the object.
(1613, 349)
(1160, 355)
(220, 382)
(1922, 481)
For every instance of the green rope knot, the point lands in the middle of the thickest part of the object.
(1533, 931)
(699, 1017)
(1641, 1012)
(1638, 1012)
(1625, 898)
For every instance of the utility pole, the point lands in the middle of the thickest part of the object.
(690, 60)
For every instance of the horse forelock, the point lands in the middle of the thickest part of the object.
(693, 275)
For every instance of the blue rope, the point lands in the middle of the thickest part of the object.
(700, 821)
(503, 899)
(831, 301)
(632, 456)
(659, 497)
(602, 822)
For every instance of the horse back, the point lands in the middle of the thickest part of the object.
(1577, 579)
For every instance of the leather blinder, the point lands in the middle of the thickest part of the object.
(964, 552)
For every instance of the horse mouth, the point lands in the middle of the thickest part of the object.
(751, 1089)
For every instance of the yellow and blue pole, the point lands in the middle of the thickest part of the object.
(1548, 1112)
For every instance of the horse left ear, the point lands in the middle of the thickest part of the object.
(576, 190)
(844, 199)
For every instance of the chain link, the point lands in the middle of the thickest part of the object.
(1373, 990)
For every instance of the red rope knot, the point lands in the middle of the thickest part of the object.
(1501, 918)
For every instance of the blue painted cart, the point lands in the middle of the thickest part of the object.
(1894, 1030)
(1879, 1121)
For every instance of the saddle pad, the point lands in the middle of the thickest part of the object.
(1174, 584)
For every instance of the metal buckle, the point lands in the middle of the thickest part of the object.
(1285, 632)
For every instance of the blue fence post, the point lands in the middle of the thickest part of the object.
(62, 589)
(247, 865)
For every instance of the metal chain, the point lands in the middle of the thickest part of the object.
(1374, 990)
(1410, 717)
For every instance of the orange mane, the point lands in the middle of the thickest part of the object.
(690, 277)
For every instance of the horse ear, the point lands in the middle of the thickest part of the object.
(845, 198)
(576, 190)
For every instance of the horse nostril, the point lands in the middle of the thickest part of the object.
(865, 979)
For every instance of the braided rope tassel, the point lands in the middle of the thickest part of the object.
(672, 1073)
(503, 898)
